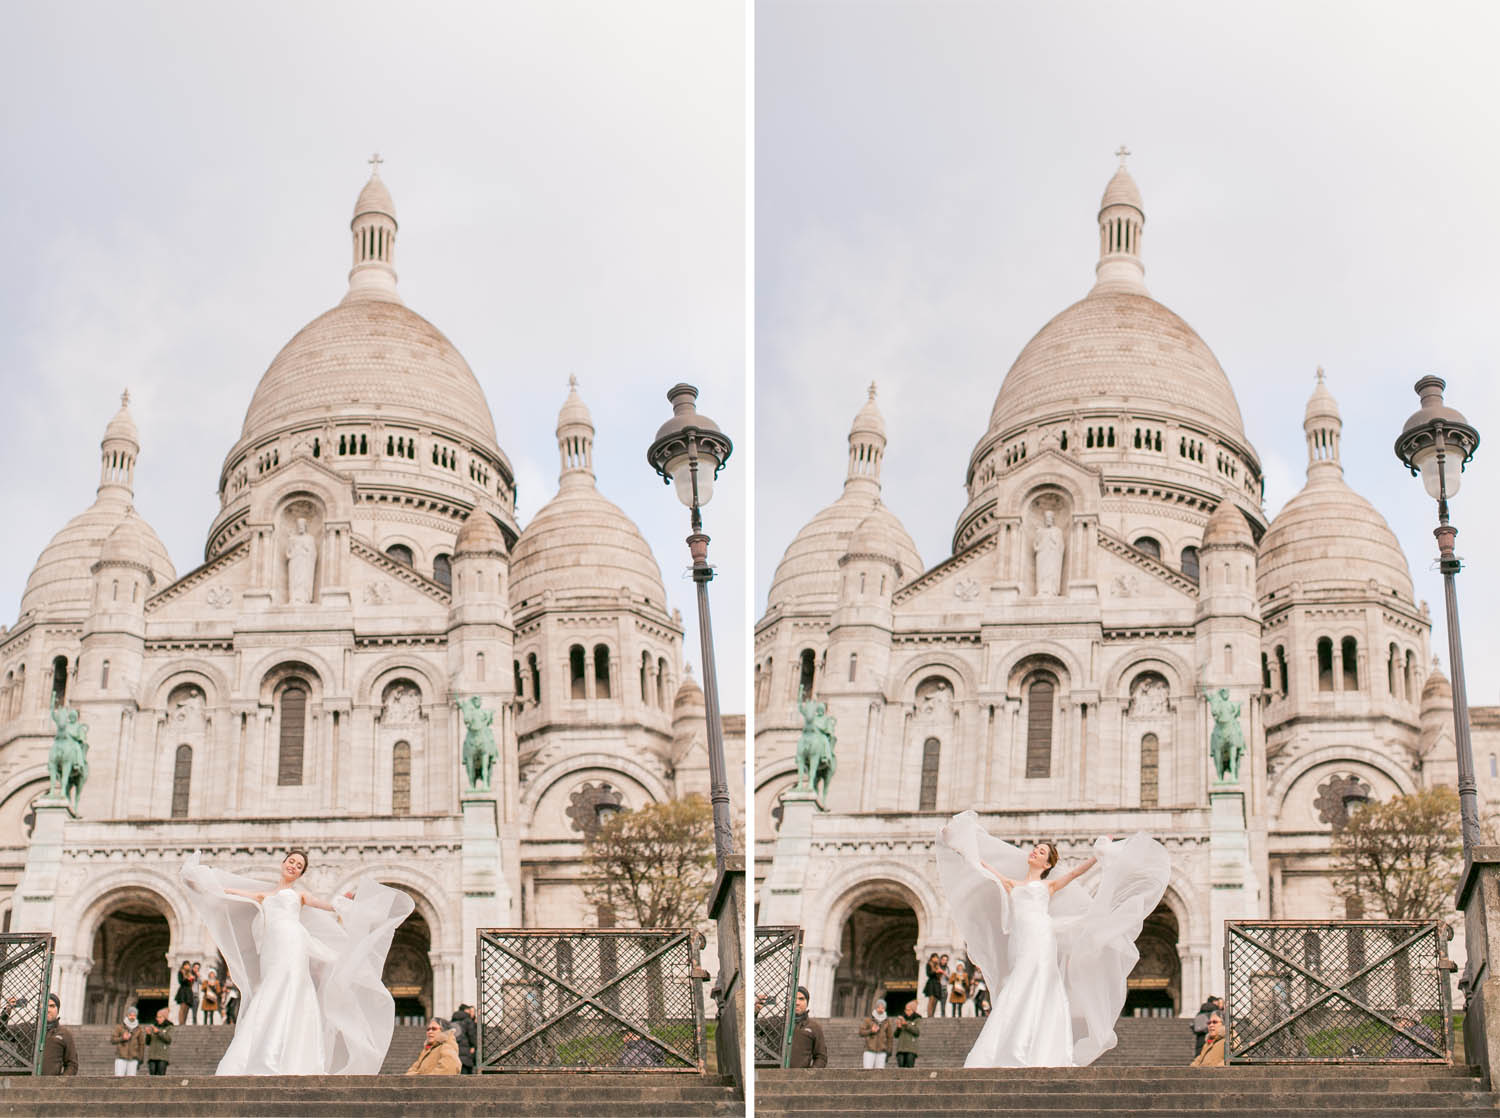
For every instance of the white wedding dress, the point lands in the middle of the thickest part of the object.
(1059, 960)
(313, 1000)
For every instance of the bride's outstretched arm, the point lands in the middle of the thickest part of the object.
(1075, 872)
(319, 902)
(1005, 883)
(256, 897)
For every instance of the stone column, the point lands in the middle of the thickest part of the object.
(451, 982)
(70, 977)
(489, 901)
(1235, 891)
(781, 894)
(818, 968)
(34, 908)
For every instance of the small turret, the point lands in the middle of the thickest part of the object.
(373, 228)
(1122, 218)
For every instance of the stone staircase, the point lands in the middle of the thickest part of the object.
(1434, 1091)
(543, 1096)
(197, 1049)
(945, 1041)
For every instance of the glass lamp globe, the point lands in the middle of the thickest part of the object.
(681, 473)
(1426, 462)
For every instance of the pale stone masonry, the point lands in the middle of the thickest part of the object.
(1063, 695)
(366, 569)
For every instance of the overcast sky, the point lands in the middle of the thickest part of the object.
(570, 185)
(1320, 183)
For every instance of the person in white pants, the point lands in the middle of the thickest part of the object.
(878, 1032)
(129, 1040)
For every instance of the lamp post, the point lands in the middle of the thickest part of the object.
(1437, 443)
(688, 452)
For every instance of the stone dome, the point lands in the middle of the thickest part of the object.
(375, 198)
(808, 571)
(1330, 537)
(880, 533)
(130, 542)
(479, 533)
(122, 427)
(689, 702)
(61, 582)
(1227, 527)
(868, 420)
(579, 544)
(1437, 692)
(1122, 191)
(1118, 349)
(369, 357)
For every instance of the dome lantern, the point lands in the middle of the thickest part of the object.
(1323, 426)
(575, 439)
(373, 275)
(1122, 217)
(866, 447)
(117, 453)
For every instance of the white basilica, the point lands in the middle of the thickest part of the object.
(365, 571)
(1112, 566)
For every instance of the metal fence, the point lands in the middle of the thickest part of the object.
(1348, 991)
(778, 961)
(25, 981)
(590, 1000)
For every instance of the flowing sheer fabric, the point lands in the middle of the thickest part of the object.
(314, 1003)
(1085, 933)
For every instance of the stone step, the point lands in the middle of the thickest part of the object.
(197, 1049)
(945, 1042)
(648, 1095)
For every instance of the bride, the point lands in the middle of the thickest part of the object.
(309, 971)
(1060, 955)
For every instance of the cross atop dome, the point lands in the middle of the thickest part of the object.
(125, 398)
(872, 390)
(375, 161)
(1124, 153)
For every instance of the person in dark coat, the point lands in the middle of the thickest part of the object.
(159, 1043)
(186, 1001)
(933, 987)
(466, 1033)
(908, 1029)
(59, 1051)
(809, 1049)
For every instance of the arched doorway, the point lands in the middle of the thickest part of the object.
(1154, 988)
(408, 971)
(878, 957)
(130, 961)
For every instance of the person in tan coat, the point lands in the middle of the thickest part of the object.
(129, 1039)
(1212, 1055)
(878, 1033)
(439, 1055)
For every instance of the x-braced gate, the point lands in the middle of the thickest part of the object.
(778, 961)
(25, 981)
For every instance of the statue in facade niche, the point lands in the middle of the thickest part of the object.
(301, 560)
(68, 763)
(1227, 744)
(480, 751)
(816, 763)
(1048, 548)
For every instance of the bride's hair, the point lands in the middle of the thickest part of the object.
(306, 861)
(1051, 855)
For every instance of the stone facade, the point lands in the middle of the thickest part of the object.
(1112, 569)
(365, 571)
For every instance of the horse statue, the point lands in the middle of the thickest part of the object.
(68, 762)
(1227, 744)
(480, 751)
(816, 763)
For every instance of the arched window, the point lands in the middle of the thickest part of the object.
(536, 677)
(661, 683)
(400, 553)
(1349, 654)
(806, 679)
(1410, 677)
(853, 665)
(401, 778)
(104, 675)
(182, 779)
(1150, 769)
(479, 667)
(931, 755)
(645, 673)
(520, 687)
(1039, 699)
(1265, 671)
(601, 671)
(293, 733)
(1281, 667)
(60, 680)
(1149, 545)
(1393, 671)
(1229, 659)
(1325, 664)
(1190, 561)
(578, 685)
(442, 571)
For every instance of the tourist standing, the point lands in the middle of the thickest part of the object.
(958, 989)
(809, 1049)
(439, 1056)
(208, 996)
(159, 1043)
(59, 1050)
(184, 996)
(945, 979)
(933, 987)
(876, 1031)
(129, 1039)
(906, 1032)
(231, 1000)
(466, 1033)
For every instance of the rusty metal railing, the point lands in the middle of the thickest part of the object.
(25, 981)
(778, 960)
(1344, 991)
(590, 1000)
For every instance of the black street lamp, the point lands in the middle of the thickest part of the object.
(688, 452)
(1437, 443)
